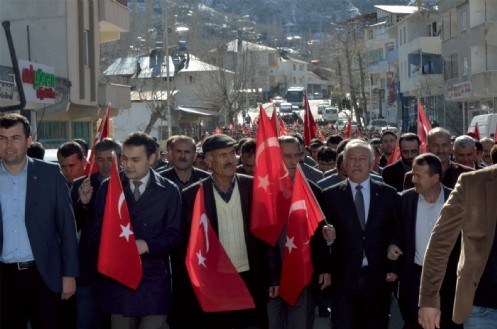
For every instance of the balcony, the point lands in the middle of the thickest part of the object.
(117, 95)
(381, 66)
(113, 19)
(422, 85)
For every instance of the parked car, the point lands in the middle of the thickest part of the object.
(389, 128)
(286, 108)
(340, 124)
(277, 101)
(330, 114)
(321, 107)
(377, 124)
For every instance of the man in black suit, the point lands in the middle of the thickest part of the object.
(364, 214)
(393, 174)
(439, 143)
(182, 154)
(83, 196)
(420, 208)
(38, 242)
(251, 257)
(155, 212)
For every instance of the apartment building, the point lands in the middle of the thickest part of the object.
(469, 48)
(58, 43)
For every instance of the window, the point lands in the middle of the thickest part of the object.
(405, 33)
(52, 133)
(81, 129)
(86, 48)
(465, 66)
(463, 21)
(450, 67)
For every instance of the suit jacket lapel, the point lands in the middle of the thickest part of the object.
(349, 200)
(210, 203)
(32, 188)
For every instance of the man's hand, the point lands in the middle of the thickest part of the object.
(324, 280)
(391, 277)
(274, 291)
(85, 191)
(68, 287)
(394, 252)
(142, 246)
(329, 233)
(429, 317)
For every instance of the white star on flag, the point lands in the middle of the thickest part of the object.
(201, 259)
(290, 244)
(126, 232)
(264, 182)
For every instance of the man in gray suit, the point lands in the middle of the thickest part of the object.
(38, 243)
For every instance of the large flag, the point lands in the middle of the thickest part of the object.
(282, 128)
(118, 256)
(424, 126)
(103, 131)
(310, 127)
(272, 185)
(348, 129)
(303, 219)
(216, 283)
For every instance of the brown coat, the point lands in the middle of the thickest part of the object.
(470, 209)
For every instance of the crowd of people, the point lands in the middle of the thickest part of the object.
(419, 228)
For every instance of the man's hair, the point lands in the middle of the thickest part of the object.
(285, 139)
(248, 147)
(387, 132)
(464, 141)
(9, 120)
(479, 146)
(342, 144)
(83, 144)
(493, 154)
(438, 131)
(36, 151)
(316, 142)
(409, 137)
(108, 144)
(183, 139)
(241, 141)
(358, 143)
(69, 148)
(432, 161)
(299, 138)
(326, 153)
(139, 138)
(487, 140)
(334, 139)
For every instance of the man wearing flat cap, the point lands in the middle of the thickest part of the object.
(228, 201)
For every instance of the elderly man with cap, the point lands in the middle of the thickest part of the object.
(228, 202)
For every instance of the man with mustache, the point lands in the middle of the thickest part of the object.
(182, 154)
(393, 174)
(228, 202)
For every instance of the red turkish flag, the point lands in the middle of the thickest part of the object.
(476, 132)
(274, 119)
(310, 127)
(424, 126)
(272, 185)
(321, 136)
(118, 256)
(216, 283)
(395, 156)
(348, 130)
(303, 219)
(282, 128)
(102, 132)
(358, 132)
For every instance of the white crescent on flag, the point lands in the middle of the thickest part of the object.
(203, 222)
(120, 204)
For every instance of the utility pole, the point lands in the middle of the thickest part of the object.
(167, 29)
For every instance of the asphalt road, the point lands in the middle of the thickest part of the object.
(396, 321)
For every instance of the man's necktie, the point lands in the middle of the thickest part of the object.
(359, 206)
(136, 192)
